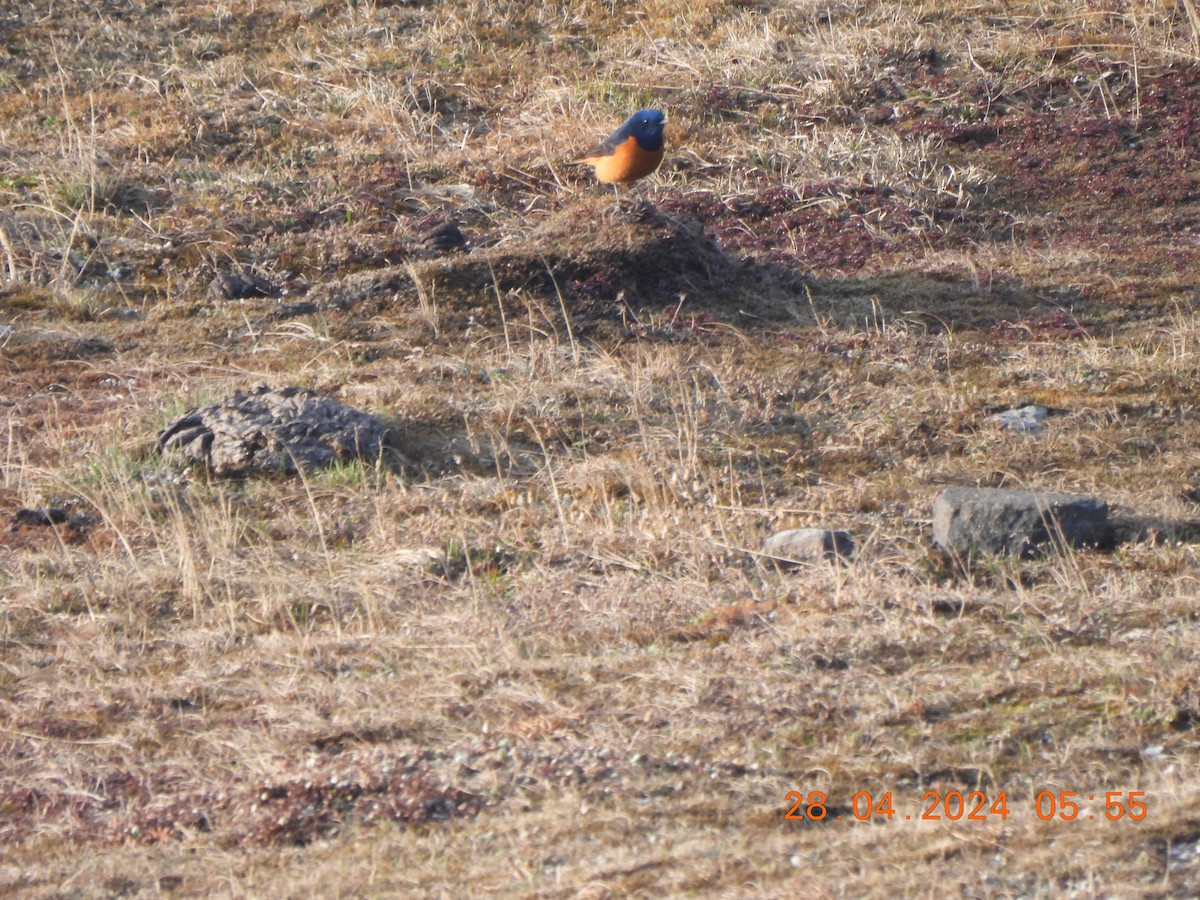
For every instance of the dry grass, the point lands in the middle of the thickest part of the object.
(544, 658)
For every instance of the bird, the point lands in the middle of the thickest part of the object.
(631, 152)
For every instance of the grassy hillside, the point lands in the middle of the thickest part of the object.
(536, 651)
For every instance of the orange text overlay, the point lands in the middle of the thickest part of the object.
(974, 806)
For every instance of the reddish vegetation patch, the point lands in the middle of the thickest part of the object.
(301, 810)
(741, 613)
(719, 624)
(1129, 172)
(826, 228)
(45, 401)
(75, 531)
(1115, 173)
(1054, 326)
(25, 809)
(362, 787)
(147, 808)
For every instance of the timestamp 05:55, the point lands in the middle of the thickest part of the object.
(974, 806)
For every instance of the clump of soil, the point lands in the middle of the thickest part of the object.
(603, 263)
(646, 259)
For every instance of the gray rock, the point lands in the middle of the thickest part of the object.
(443, 238)
(273, 430)
(1016, 522)
(809, 545)
(239, 285)
(43, 517)
(1026, 420)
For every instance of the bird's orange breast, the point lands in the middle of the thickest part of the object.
(628, 162)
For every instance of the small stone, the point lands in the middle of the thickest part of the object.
(39, 518)
(443, 238)
(237, 286)
(1016, 522)
(419, 557)
(801, 545)
(1026, 420)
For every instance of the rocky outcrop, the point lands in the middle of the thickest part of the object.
(273, 430)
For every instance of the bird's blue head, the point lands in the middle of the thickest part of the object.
(647, 126)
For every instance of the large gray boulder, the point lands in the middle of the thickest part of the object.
(273, 430)
(1016, 522)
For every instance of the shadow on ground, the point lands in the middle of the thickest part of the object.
(632, 270)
